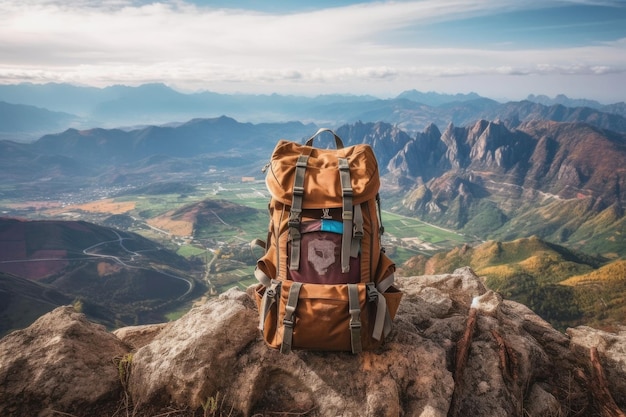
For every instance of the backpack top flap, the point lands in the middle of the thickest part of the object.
(321, 182)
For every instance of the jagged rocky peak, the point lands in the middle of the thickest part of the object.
(384, 138)
(456, 349)
(486, 144)
(493, 145)
(484, 139)
(422, 157)
(457, 150)
(433, 131)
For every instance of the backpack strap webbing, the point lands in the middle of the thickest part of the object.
(384, 284)
(357, 231)
(296, 211)
(270, 296)
(347, 213)
(289, 320)
(262, 277)
(355, 318)
(374, 296)
(257, 242)
(379, 213)
(382, 322)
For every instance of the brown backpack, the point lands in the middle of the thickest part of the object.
(325, 281)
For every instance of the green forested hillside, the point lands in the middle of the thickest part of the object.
(564, 287)
(601, 294)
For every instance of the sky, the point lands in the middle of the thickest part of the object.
(501, 49)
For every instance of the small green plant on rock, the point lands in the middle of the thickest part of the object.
(123, 364)
(215, 406)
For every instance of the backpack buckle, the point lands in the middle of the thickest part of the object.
(372, 292)
(294, 219)
(355, 319)
(288, 321)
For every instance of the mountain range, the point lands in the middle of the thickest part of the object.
(487, 179)
(156, 104)
(560, 181)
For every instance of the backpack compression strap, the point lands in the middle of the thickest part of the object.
(355, 318)
(296, 211)
(271, 296)
(347, 214)
(289, 320)
(357, 232)
(382, 323)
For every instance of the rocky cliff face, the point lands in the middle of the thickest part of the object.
(565, 159)
(491, 180)
(456, 350)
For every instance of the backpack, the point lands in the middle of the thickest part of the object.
(325, 282)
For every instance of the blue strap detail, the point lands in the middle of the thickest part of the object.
(332, 226)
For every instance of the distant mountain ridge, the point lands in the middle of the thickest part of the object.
(105, 157)
(156, 104)
(196, 137)
(436, 99)
(562, 99)
(20, 121)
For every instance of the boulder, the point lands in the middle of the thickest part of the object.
(139, 336)
(62, 362)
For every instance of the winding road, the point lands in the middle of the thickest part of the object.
(89, 251)
(120, 239)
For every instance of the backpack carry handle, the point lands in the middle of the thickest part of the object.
(338, 141)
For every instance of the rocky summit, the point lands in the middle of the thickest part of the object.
(456, 349)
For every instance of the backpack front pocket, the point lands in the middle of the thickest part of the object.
(323, 317)
(320, 255)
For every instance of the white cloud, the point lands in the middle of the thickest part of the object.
(341, 49)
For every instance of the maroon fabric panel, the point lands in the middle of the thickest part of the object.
(320, 259)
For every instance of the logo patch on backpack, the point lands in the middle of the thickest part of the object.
(321, 255)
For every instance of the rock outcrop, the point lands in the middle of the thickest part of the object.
(456, 349)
